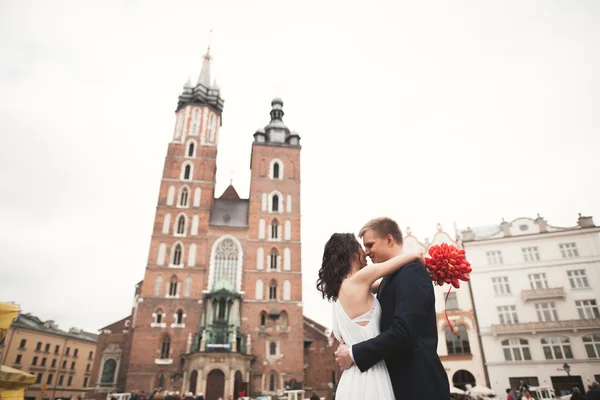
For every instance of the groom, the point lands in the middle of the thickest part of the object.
(408, 339)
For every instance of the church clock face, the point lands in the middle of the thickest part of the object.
(277, 136)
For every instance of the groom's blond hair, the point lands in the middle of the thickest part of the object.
(383, 226)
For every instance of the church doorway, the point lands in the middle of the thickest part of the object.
(193, 382)
(239, 387)
(215, 384)
(462, 378)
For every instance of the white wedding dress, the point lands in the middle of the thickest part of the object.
(375, 382)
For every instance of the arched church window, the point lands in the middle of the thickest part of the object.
(191, 148)
(181, 225)
(276, 171)
(275, 202)
(263, 319)
(173, 286)
(158, 282)
(179, 316)
(165, 347)
(274, 229)
(159, 316)
(187, 172)
(273, 259)
(177, 255)
(273, 290)
(226, 262)
(283, 320)
(272, 349)
(183, 197)
(272, 381)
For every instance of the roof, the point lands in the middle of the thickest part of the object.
(117, 326)
(233, 213)
(316, 326)
(31, 322)
(230, 194)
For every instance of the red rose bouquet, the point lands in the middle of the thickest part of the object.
(447, 264)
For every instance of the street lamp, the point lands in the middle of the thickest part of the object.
(567, 369)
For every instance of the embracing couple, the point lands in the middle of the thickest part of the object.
(389, 341)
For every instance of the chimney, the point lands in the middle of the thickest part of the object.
(505, 227)
(585, 222)
(468, 235)
(541, 223)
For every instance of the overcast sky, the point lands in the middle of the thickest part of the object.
(458, 111)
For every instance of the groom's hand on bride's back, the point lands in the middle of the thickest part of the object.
(342, 356)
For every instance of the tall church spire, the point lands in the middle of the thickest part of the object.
(204, 78)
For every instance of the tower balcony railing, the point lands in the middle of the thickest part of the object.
(548, 326)
(544, 294)
(217, 339)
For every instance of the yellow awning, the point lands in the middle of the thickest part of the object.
(12, 379)
(8, 312)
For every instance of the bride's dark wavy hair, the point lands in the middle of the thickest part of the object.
(340, 251)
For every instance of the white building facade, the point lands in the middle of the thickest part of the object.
(459, 352)
(536, 290)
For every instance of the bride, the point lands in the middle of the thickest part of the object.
(346, 278)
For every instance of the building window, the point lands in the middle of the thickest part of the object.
(531, 254)
(568, 250)
(501, 286)
(43, 364)
(57, 349)
(173, 287)
(187, 172)
(578, 279)
(179, 317)
(457, 343)
(91, 355)
(538, 281)
(39, 378)
(61, 379)
(159, 316)
(546, 312)
(273, 290)
(68, 352)
(507, 314)
(183, 197)
(87, 368)
(275, 203)
(273, 259)
(263, 319)
(181, 225)
(494, 257)
(18, 359)
(38, 346)
(177, 254)
(72, 365)
(70, 380)
(165, 348)
(276, 171)
(226, 262)
(191, 147)
(273, 349)
(587, 309)
(49, 380)
(274, 229)
(452, 303)
(272, 382)
(47, 348)
(53, 365)
(34, 361)
(516, 350)
(76, 352)
(23, 343)
(556, 348)
(592, 345)
(85, 382)
(161, 381)
(64, 365)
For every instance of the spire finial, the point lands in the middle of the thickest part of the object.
(204, 78)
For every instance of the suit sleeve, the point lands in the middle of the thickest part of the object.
(412, 296)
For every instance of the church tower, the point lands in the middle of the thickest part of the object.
(166, 315)
(273, 314)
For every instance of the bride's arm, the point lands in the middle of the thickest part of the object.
(371, 273)
(375, 285)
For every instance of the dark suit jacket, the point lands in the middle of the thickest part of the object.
(408, 338)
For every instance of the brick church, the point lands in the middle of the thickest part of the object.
(219, 310)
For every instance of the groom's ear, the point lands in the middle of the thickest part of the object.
(390, 240)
